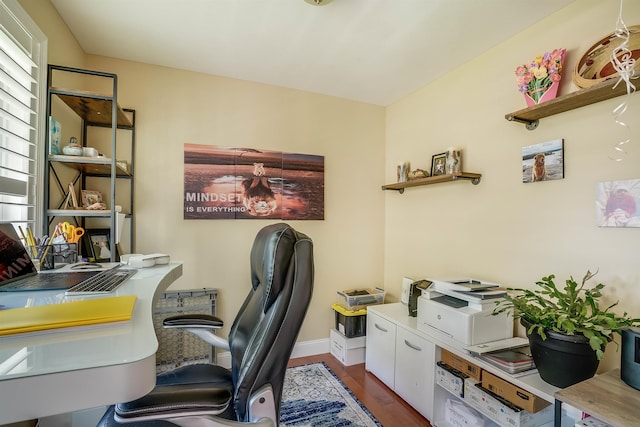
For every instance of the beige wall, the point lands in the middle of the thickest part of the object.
(174, 107)
(503, 230)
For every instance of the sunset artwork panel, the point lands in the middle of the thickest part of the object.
(245, 183)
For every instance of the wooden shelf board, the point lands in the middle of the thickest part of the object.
(78, 212)
(91, 165)
(400, 186)
(580, 98)
(92, 107)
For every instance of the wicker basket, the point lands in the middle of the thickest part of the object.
(595, 65)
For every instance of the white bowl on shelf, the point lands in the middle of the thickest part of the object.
(72, 150)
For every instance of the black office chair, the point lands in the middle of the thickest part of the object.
(260, 342)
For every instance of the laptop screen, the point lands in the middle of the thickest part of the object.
(14, 259)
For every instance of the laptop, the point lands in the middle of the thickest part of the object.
(18, 273)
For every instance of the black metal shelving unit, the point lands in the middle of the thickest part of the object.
(95, 110)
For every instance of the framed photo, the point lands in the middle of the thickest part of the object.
(543, 162)
(438, 164)
(98, 244)
(90, 197)
(616, 203)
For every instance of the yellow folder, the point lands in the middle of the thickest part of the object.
(75, 313)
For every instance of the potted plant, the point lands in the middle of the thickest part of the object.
(568, 329)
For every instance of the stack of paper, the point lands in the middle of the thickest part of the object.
(75, 313)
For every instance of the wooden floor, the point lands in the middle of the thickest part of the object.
(383, 403)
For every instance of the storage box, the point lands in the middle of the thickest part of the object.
(357, 299)
(450, 379)
(351, 323)
(503, 412)
(519, 397)
(460, 415)
(349, 351)
(176, 346)
(461, 364)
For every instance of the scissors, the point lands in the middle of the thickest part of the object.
(71, 232)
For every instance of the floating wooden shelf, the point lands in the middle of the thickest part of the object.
(531, 116)
(467, 176)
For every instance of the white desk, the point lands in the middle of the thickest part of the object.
(65, 370)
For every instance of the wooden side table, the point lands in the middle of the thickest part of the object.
(605, 397)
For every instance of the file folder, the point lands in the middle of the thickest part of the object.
(68, 314)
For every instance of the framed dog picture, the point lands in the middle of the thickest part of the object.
(543, 162)
(438, 164)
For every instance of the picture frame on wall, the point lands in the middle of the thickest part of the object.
(97, 244)
(543, 161)
(438, 164)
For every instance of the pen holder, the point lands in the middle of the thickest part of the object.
(56, 256)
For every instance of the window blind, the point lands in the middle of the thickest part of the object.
(22, 97)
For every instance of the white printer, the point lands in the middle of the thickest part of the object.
(460, 310)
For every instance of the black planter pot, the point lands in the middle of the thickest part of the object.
(562, 360)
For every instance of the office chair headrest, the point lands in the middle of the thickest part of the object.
(270, 259)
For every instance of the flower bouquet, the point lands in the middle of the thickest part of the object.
(539, 79)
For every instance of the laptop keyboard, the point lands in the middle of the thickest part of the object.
(102, 283)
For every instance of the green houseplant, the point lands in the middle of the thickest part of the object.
(568, 328)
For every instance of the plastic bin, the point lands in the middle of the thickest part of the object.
(177, 347)
(356, 299)
(350, 323)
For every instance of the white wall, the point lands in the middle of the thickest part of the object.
(502, 229)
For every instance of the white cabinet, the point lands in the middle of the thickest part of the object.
(414, 371)
(381, 348)
(402, 359)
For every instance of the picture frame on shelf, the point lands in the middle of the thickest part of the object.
(438, 164)
(91, 197)
(97, 244)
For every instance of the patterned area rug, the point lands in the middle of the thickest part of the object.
(314, 397)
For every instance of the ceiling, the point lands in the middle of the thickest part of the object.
(373, 51)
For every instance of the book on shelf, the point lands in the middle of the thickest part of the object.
(55, 133)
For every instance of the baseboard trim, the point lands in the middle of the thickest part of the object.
(301, 349)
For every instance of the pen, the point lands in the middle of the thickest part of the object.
(44, 255)
(46, 250)
(31, 243)
(26, 242)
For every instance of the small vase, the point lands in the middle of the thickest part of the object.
(454, 161)
(548, 94)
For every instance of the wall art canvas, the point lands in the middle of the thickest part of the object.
(543, 162)
(617, 203)
(245, 183)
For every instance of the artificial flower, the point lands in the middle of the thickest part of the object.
(536, 77)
